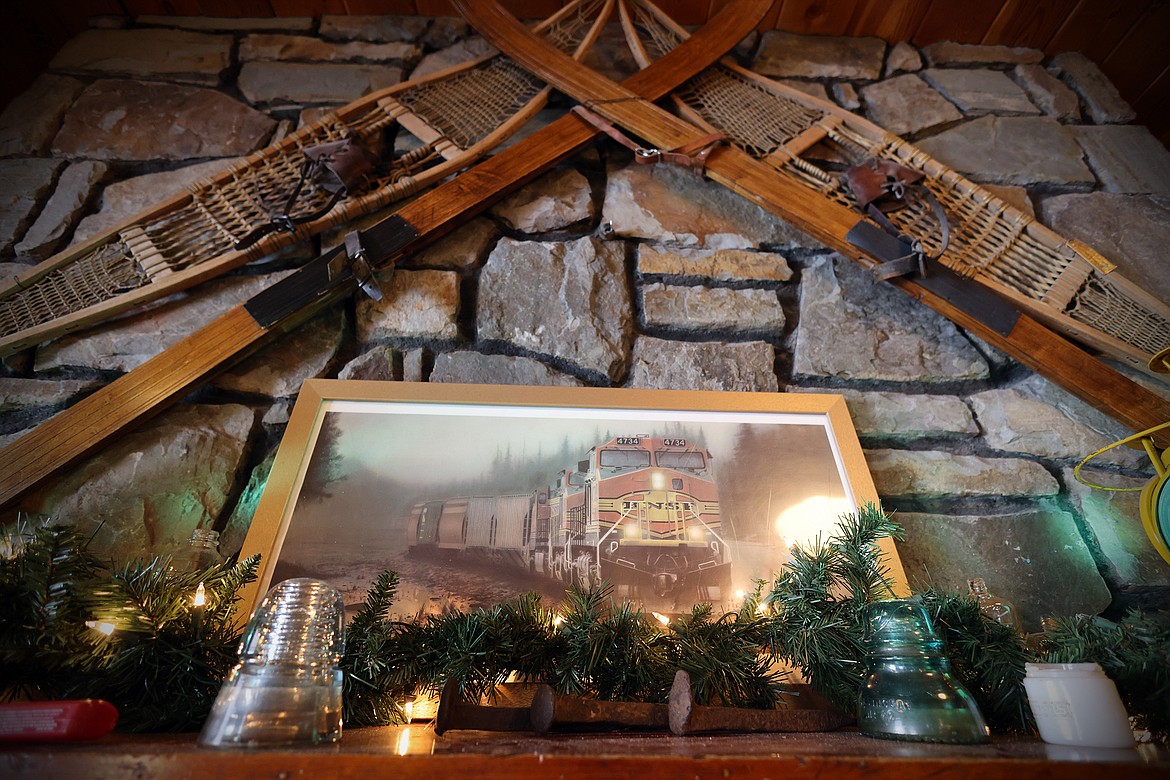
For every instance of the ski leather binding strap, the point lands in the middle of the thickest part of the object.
(692, 155)
(337, 168)
(964, 294)
(882, 186)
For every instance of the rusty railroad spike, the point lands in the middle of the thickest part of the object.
(456, 715)
(573, 713)
(686, 717)
(547, 712)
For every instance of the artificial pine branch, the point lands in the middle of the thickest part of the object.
(164, 663)
(45, 583)
(988, 658)
(726, 658)
(371, 695)
(527, 627)
(168, 658)
(583, 609)
(1134, 653)
(611, 649)
(819, 598)
(859, 562)
(479, 649)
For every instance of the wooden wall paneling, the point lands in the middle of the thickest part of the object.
(771, 19)
(436, 8)
(31, 39)
(893, 21)
(1030, 23)
(689, 11)
(236, 9)
(1095, 27)
(1153, 106)
(315, 8)
(1140, 56)
(817, 17)
(966, 21)
(378, 7)
(33, 33)
(533, 9)
(224, 8)
(162, 7)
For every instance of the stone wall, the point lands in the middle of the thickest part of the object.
(646, 277)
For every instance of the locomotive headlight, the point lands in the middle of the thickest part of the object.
(696, 533)
(657, 480)
(631, 530)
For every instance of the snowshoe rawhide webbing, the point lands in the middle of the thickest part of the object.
(1061, 282)
(826, 219)
(294, 188)
(143, 392)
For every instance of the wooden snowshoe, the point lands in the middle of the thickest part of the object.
(321, 176)
(1061, 282)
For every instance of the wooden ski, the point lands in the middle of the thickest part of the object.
(143, 392)
(265, 202)
(961, 300)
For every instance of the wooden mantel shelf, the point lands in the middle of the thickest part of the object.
(415, 753)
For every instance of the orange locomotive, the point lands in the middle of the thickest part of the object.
(639, 511)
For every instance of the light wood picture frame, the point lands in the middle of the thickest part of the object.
(476, 494)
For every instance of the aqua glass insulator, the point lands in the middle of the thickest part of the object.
(910, 692)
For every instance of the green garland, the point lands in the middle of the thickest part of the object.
(987, 656)
(1134, 653)
(165, 660)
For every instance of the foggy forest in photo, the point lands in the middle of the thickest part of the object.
(779, 484)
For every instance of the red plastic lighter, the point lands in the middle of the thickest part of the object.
(56, 721)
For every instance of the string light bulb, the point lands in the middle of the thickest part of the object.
(200, 596)
(663, 619)
(101, 626)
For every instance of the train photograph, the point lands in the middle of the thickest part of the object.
(474, 507)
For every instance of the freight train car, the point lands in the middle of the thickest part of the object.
(639, 511)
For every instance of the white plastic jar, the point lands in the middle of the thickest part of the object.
(1076, 704)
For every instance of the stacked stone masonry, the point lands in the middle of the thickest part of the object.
(647, 278)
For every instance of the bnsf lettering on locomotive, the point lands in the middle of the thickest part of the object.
(686, 506)
(674, 442)
(632, 440)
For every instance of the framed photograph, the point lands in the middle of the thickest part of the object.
(476, 494)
